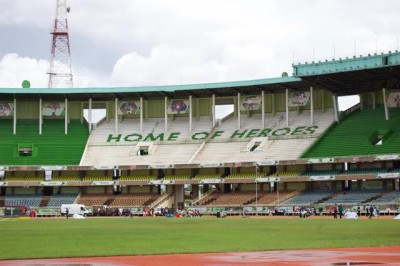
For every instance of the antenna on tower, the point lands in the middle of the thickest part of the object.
(60, 74)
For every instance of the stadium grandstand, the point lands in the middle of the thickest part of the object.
(285, 145)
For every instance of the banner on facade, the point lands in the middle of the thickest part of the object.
(266, 162)
(388, 175)
(178, 106)
(299, 99)
(267, 179)
(321, 160)
(161, 166)
(52, 183)
(387, 157)
(211, 181)
(6, 109)
(104, 183)
(53, 109)
(321, 177)
(161, 182)
(250, 103)
(128, 108)
(211, 164)
(393, 100)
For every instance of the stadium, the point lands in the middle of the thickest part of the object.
(139, 175)
(285, 147)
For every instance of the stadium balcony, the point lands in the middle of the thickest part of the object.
(137, 178)
(207, 176)
(366, 171)
(65, 178)
(285, 174)
(97, 178)
(177, 177)
(24, 178)
(251, 175)
(320, 172)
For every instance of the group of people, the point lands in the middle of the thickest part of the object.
(370, 211)
(338, 211)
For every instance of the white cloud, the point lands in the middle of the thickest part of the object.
(155, 42)
(15, 69)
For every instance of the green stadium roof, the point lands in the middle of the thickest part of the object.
(343, 77)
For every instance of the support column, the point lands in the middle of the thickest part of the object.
(66, 116)
(190, 113)
(373, 100)
(335, 109)
(40, 116)
(146, 110)
(273, 104)
(287, 107)
(323, 101)
(238, 109)
(385, 104)
(165, 114)
(213, 110)
(361, 101)
(262, 110)
(116, 115)
(90, 115)
(141, 114)
(15, 117)
(197, 109)
(311, 106)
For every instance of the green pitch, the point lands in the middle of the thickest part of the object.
(134, 236)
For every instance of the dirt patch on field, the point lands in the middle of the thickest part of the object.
(321, 257)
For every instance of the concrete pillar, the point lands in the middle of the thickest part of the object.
(66, 116)
(385, 104)
(40, 116)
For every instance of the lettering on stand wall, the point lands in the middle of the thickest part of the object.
(237, 134)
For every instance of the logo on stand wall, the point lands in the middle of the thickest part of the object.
(299, 99)
(6, 109)
(126, 108)
(394, 100)
(177, 107)
(53, 109)
(250, 103)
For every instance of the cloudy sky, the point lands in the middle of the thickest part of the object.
(150, 42)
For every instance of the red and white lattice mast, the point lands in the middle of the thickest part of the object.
(60, 74)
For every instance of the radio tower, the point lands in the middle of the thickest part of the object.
(60, 74)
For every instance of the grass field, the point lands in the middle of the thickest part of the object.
(49, 238)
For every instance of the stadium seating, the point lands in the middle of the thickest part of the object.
(32, 201)
(52, 147)
(188, 150)
(354, 135)
(57, 200)
(266, 198)
(308, 197)
(133, 200)
(387, 198)
(353, 196)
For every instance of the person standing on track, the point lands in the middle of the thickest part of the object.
(335, 211)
